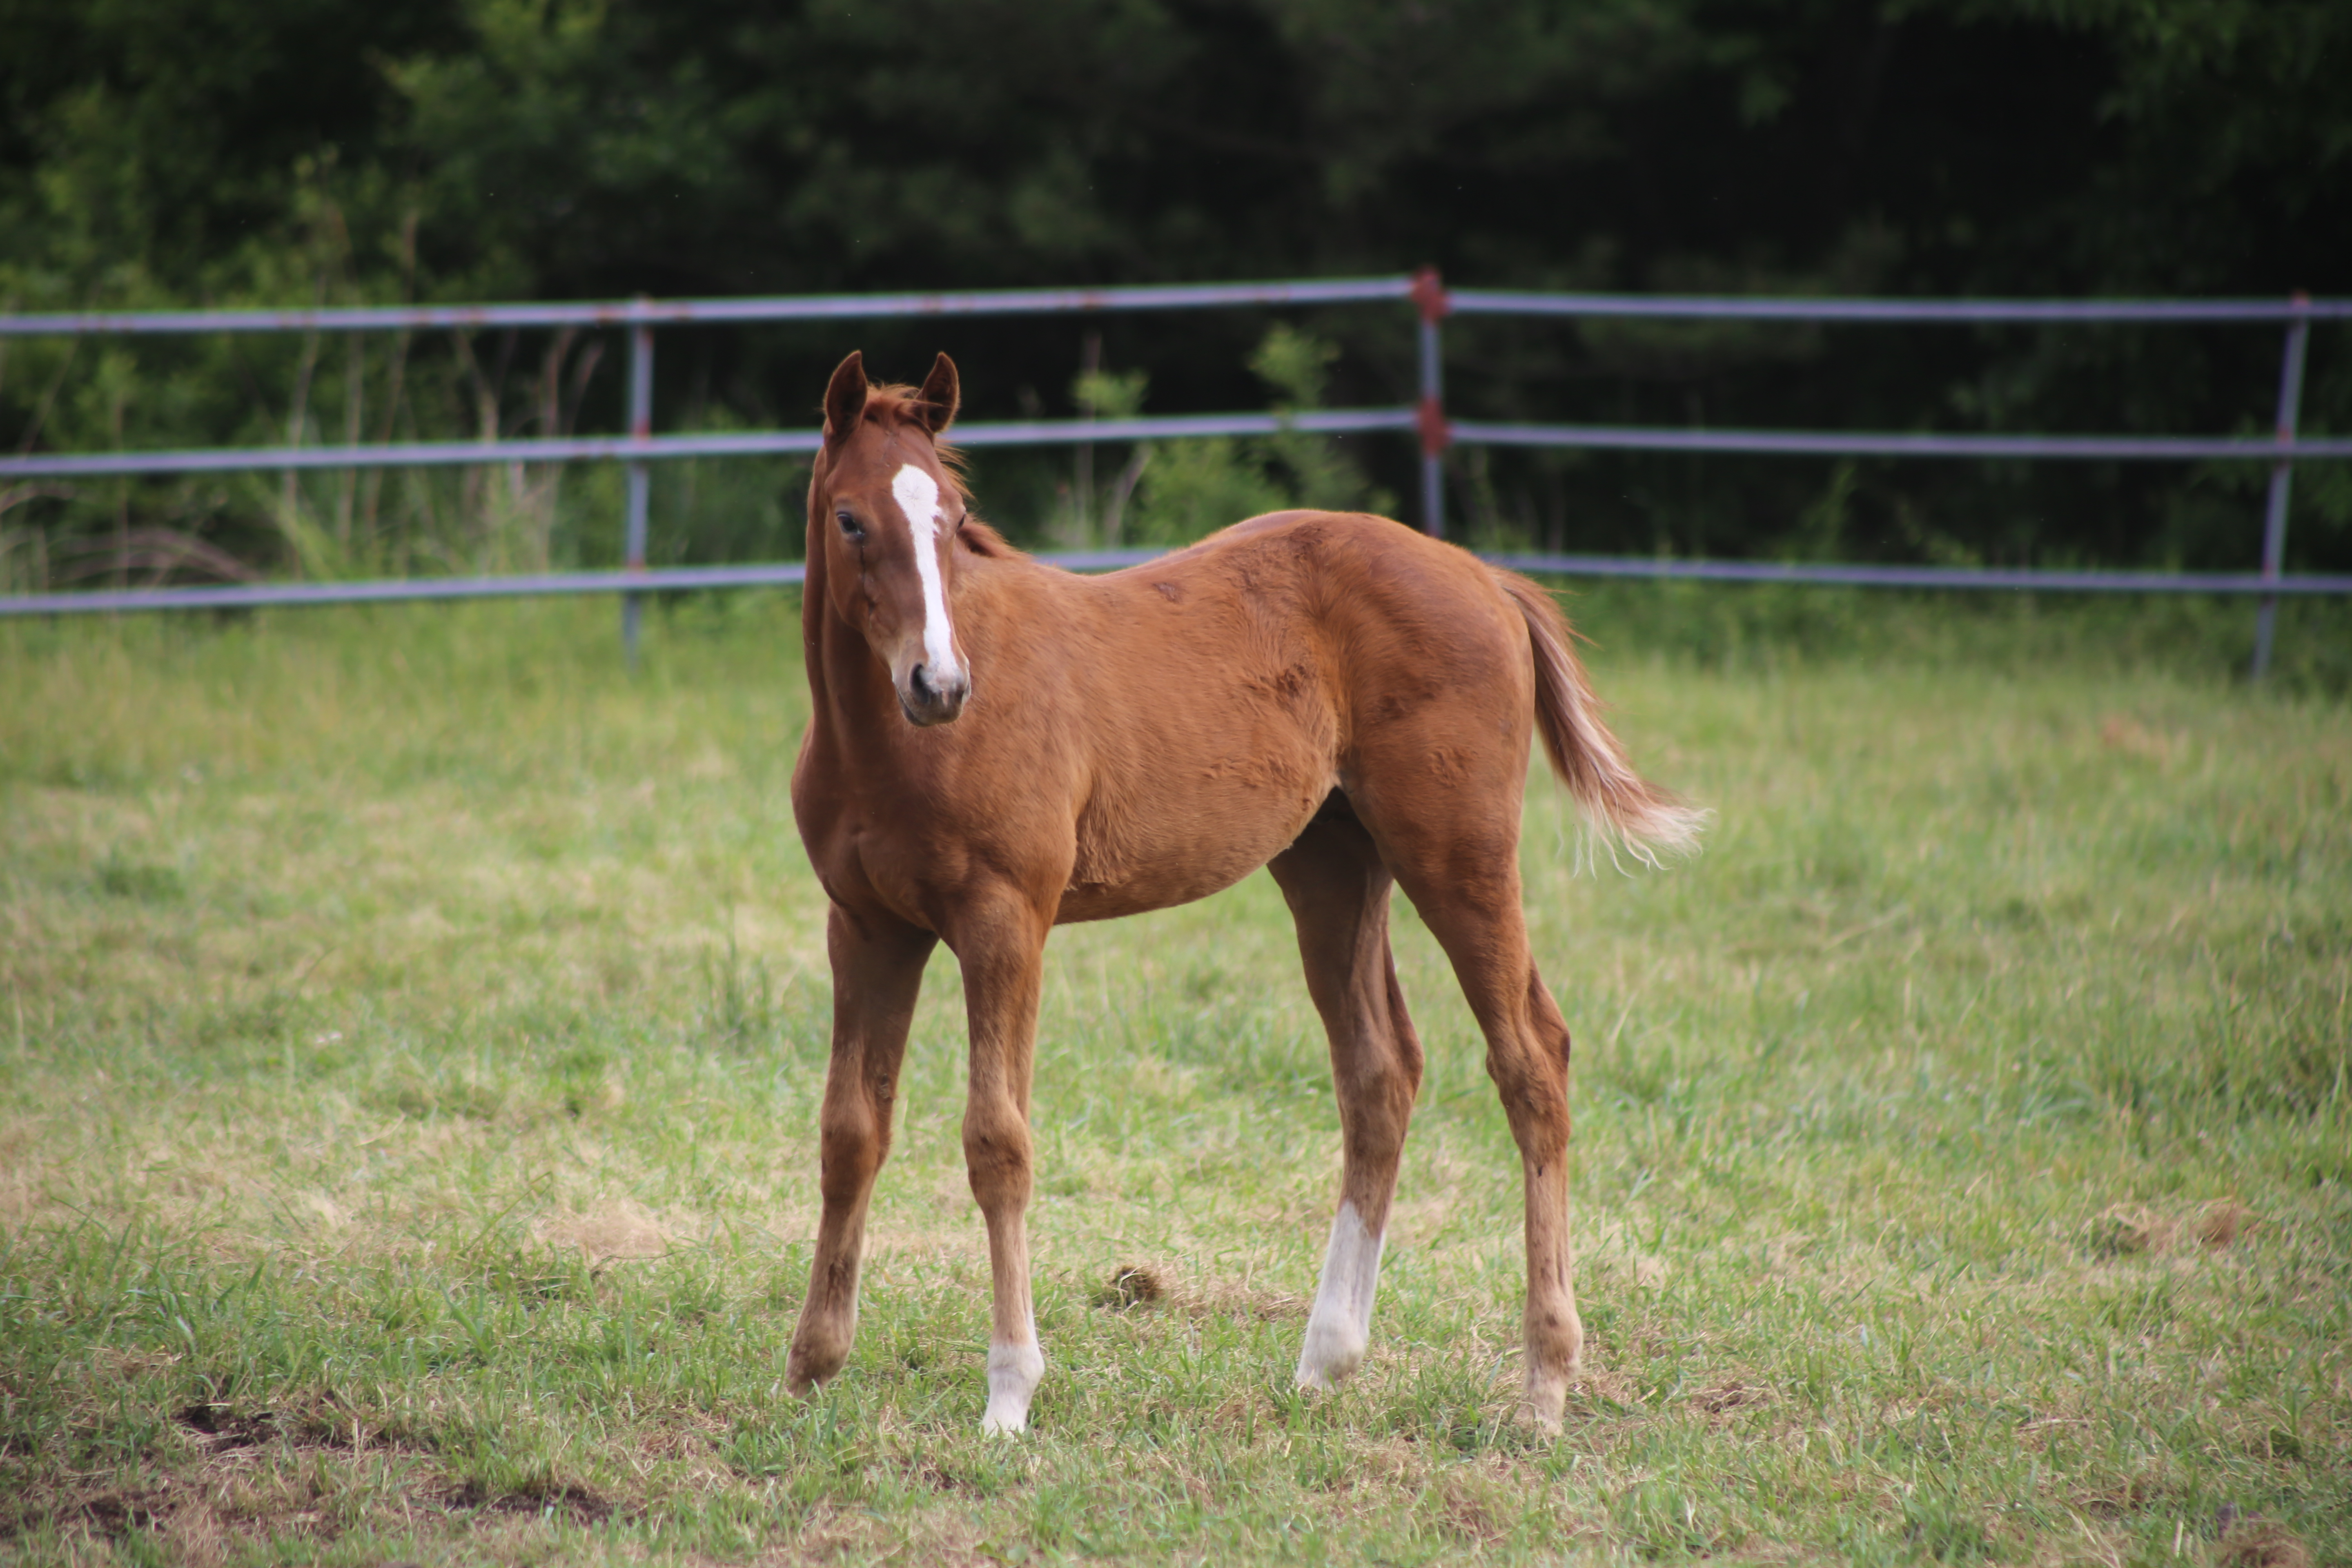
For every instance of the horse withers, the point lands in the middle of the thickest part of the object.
(998, 747)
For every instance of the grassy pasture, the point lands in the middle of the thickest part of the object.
(411, 1031)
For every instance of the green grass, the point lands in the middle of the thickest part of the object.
(411, 1031)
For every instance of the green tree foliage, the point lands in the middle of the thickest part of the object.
(1190, 487)
(296, 150)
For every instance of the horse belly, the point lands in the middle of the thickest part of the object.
(1195, 826)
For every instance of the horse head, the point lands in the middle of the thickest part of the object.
(885, 504)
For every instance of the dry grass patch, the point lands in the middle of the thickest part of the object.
(2131, 1230)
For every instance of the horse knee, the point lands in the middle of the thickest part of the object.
(850, 1150)
(1534, 1091)
(996, 1154)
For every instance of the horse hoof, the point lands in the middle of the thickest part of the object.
(1014, 1372)
(1536, 1421)
(1325, 1376)
(1541, 1405)
(1330, 1355)
(801, 1382)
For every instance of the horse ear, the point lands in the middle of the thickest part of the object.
(942, 394)
(844, 396)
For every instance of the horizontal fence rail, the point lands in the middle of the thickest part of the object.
(789, 573)
(1901, 444)
(1172, 297)
(1921, 312)
(2037, 579)
(659, 448)
(1179, 426)
(714, 312)
(1426, 419)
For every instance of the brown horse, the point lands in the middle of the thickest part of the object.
(999, 747)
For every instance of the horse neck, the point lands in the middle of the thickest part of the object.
(850, 689)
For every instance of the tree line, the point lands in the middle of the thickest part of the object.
(301, 152)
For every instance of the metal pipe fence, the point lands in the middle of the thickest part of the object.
(1426, 418)
(789, 573)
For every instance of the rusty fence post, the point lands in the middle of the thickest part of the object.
(1429, 296)
(641, 427)
(2289, 405)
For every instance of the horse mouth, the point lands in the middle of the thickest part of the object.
(925, 705)
(924, 718)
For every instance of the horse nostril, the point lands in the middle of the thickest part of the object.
(920, 679)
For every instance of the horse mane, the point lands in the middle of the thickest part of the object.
(897, 406)
(982, 540)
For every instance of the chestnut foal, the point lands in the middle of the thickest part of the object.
(999, 747)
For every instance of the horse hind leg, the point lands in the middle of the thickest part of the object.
(1337, 890)
(1468, 895)
(1530, 1073)
(1455, 852)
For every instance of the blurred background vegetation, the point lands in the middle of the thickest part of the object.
(288, 153)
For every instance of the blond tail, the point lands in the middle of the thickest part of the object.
(1614, 798)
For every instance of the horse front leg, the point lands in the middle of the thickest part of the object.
(1002, 950)
(878, 968)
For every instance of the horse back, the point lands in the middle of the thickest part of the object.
(1249, 678)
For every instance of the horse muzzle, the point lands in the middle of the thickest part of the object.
(927, 698)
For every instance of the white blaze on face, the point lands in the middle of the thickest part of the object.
(917, 495)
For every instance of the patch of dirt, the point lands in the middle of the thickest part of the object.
(566, 1500)
(1730, 1395)
(224, 1427)
(120, 1513)
(241, 1478)
(944, 1479)
(191, 1514)
(228, 1427)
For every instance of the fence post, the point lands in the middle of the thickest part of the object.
(641, 425)
(2290, 404)
(1429, 295)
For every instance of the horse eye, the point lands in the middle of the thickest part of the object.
(848, 521)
